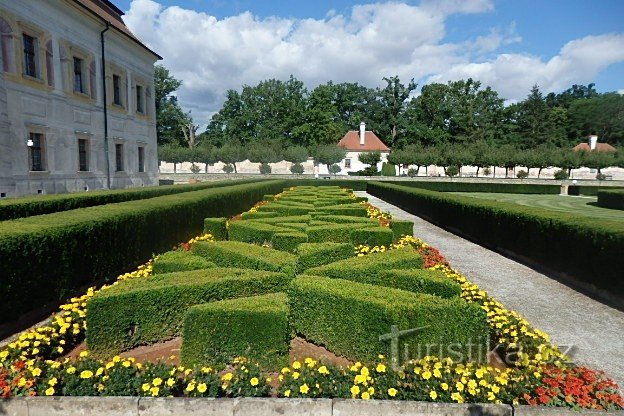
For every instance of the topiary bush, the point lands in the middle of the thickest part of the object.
(401, 228)
(179, 261)
(318, 254)
(288, 241)
(217, 227)
(372, 236)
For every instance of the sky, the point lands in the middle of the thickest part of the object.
(510, 45)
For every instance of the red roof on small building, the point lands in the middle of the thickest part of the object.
(351, 141)
(600, 147)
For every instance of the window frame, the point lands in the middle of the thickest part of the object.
(79, 75)
(140, 98)
(84, 152)
(119, 157)
(347, 163)
(117, 95)
(141, 159)
(27, 64)
(36, 152)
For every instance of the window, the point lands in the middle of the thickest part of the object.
(36, 152)
(30, 60)
(139, 99)
(78, 84)
(347, 163)
(119, 166)
(141, 159)
(117, 90)
(83, 156)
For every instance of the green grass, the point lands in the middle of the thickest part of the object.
(571, 204)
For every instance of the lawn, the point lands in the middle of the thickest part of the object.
(571, 204)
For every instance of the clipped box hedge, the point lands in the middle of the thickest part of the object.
(373, 236)
(179, 261)
(337, 233)
(217, 227)
(145, 311)
(433, 282)
(249, 256)
(253, 327)
(360, 269)
(253, 231)
(582, 247)
(53, 255)
(46, 204)
(288, 241)
(317, 254)
(401, 228)
(348, 318)
(502, 188)
(611, 199)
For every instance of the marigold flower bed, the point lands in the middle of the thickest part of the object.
(535, 372)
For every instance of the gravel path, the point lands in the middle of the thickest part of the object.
(594, 330)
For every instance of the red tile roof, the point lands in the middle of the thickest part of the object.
(600, 147)
(351, 141)
(107, 11)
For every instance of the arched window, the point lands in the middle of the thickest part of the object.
(50, 63)
(6, 45)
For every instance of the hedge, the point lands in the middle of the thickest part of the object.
(356, 185)
(502, 188)
(360, 269)
(288, 241)
(145, 311)
(258, 214)
(318, 254)
(337, 233)
(343, 219)
(253, 231)
(344, 209)
(254, 327)
(433, 282)
(217, 227)
(53, 255)
(348, 318)
(373, 236)
(46, 204)
(589, 190)
(582, 247)
(248, 256)
(179, 261)
(611, 199)
(401, 228)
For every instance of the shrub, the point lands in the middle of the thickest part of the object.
(433, 282)
(522, 174)
(373, 236)
(452, 171)
(217, 227)
(284, 209)
(318, 254)
(253, 231)
(388, 169)
(279, 220)
(47, 204)
(288, 241)
(249, 256)
(228, 168)
(344, 219)
(145, 311)
(337, 233)
(53, 255)
(611, 199)
(401, 228)
(487, 171)
(343, 209)
(504, 188)
(259, 214)
(358, 268)
(544, 236)
(601, 176)
(297, 169)
(268, 198)
(257, 328)
(349, 317)
(334, 169)
(411, 172)
(561, 175)
(265, 168)
(178, 261)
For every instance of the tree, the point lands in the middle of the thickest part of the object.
(169, 114)
(329, 155)
(172, 153)
(598, 160)
(263, 154)
(207, 155)
(569, 159)
(231, 154)
(189, 129)
(393, 98)
(370, 158)
(334, 169)
(533, 119)
(296, 155)
(602, 115)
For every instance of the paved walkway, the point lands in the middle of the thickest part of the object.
(596, 331)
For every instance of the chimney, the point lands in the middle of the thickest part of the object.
(362, 133)
(593, 140)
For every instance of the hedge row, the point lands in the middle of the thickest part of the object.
(178, 261)
(611, 199)
(588, 190)
(46, 204)
(53, 255)
(254, 327)
(146, 311)
(502, 188)
(349, 318)
(579, 246)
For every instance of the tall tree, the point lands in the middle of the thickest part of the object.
(393, 98)
(534, 124)
(169, 114)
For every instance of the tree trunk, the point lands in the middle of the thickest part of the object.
(478, 167)
(206, 168)
(494, 171)
(235, 171)
(174, 168)
(539, 172)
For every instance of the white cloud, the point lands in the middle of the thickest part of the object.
(375, 40)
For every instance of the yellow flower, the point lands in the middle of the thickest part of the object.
(202, 387)
(365, 396)
(84, 354)
(157, 381)
(491, 396)
(433, 394)
(444, 386)
(52, 382)
(296, 365)
(392, 392)
(381, 368)
(145, 386)
(457, 397)
(126, 363)
(190, 386)
(49, 391)
(71, 370)
(227, 377)
(154, 391)
(323, 370)
(295, 375)
(254, 381)
(426, 375)
(170, 382)
(304, 389)
(355, 390)
(36, 372)
(287, 393)
(86, 374)
(460, 386)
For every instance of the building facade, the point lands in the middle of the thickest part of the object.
(356, 143)
(56, 90)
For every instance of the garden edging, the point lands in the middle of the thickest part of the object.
(139, 406)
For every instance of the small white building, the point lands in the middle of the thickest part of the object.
(356, 143)
(77, 102)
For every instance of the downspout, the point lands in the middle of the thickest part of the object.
(106, 150)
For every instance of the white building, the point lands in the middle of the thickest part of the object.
(357, 143)
(55, 58)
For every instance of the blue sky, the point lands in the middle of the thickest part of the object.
(510, 45)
